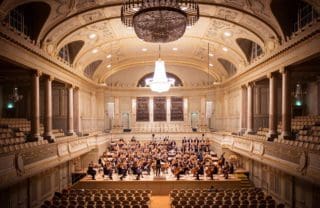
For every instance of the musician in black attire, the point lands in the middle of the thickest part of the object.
(91, 171)
(226, 170)
(138, 172)
(107, 170)
(231, 169)
(158, 166)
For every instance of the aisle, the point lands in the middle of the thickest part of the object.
(160, 202)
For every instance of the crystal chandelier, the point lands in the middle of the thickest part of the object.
(160, 82)
(159, 21)
(15, 97)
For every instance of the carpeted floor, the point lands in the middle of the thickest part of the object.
(160, 202)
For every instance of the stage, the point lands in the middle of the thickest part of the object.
(159, 185)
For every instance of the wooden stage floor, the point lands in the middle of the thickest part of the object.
(158, 185)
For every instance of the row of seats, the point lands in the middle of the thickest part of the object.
(231, 198)
(11, 141)
(297, 143)
(21, 146)
(99, 198)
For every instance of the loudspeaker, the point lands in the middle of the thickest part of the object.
(126, 130)
(194, 129)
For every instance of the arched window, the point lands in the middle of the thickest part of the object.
(29, 18)
(91, 68)
(229, 67)
(142, 81)
(70, 51)
(250, 49)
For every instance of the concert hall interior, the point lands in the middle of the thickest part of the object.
(159, 103)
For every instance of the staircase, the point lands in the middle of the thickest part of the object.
(245, 182)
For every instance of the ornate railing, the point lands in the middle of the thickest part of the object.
(17, 166)
(294, 160)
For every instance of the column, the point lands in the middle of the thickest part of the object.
(186, 113)
(168, 107)
(70, 130)
(117, 123)
(77, 112)
(272, 106)
(133, 113)
(242, 109)
(35, 119)
(202, 115)
(151, 109)
(286, 104)
(250, 108)
(48, 108)
(318, 96)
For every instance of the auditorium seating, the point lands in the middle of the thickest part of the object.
(13, 132)
(100, 198)
(231, 198)
(302, 122)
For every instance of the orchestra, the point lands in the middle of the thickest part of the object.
(161, 157)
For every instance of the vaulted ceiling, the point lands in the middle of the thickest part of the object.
(222, 24)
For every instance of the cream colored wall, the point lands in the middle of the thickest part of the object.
(226, 108)
(312, 98)
(92, 111)
(124, 103)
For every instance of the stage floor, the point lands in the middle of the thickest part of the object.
(158, 185)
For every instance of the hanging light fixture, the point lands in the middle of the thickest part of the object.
(160, 82)
(15, 97)
(159, 21)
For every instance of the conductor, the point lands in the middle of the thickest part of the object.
(91, 171)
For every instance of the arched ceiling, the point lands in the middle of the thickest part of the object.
(77, 19)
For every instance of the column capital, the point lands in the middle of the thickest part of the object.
(68, 86)
(36, 73)
(271, 75)
(49, 77)
(244, 86)
(283, 70)
(249, 84)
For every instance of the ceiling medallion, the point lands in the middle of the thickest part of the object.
(159, 21)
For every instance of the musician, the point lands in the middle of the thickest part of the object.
(231, 169)
(107, 170)
(139, 172)
(222, 159)
(158, 166)
(122, 170)
(177, 171)
(226, 170)
(200, 170)
(91, 171)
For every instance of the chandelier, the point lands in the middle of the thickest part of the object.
(15, 97)
(159, 21)
(160, 82)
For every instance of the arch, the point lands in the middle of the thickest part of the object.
(285, 11)
(228, 66)
(249, 48)
(177, 83)
(69, 51)
(32, 17)
(91, 68)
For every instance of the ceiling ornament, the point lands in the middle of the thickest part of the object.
(159, 21)
(160, 82)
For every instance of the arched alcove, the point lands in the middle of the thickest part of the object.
(250, 49)
(177, 83)
(70, 50)
(285, 11)
(91, 68)
(228, 66)
(29, 18)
